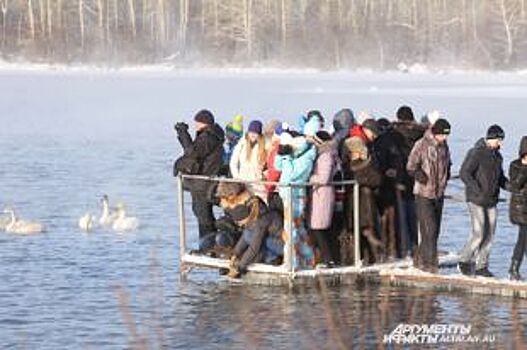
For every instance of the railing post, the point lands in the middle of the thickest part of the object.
(289, 249)
(356, 223)
(182, 224)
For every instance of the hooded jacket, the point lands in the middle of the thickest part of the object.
(482, 174)
(429, 162)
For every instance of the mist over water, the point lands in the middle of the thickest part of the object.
(67, 138)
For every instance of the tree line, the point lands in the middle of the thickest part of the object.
(327, 34)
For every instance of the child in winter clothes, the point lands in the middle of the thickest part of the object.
(518, 207)
(248, 159)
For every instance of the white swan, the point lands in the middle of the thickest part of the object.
(124, 223)
(107, 217)
(4, 221)
(22, 227)
(87, 222)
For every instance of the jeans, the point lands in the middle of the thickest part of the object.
(521, 245)
(477, 249)
(202, 209)
(408, 237)
(429, 212)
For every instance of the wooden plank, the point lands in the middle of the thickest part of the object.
(477, 285)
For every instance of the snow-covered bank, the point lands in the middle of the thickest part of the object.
(401, 71)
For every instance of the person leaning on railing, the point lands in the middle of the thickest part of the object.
(201, 156)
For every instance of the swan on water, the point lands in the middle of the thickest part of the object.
(124, 223)
(4, 221)
(107, 217)
(87, 222)
(20, 226)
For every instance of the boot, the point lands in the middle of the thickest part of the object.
(374, 241)
(514, 271)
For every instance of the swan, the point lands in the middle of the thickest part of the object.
(122, 222)
(107, 217)
(87, 222)
(22, 227)
(4, 221)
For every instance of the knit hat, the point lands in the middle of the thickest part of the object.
(371, 125)
(281, 128)
(204, 116)
(355, 144)
(495, 132)
(405, 113)
(255, 126)
(237, 123)
(441, 127)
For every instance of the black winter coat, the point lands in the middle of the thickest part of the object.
(203, 156)
(518, 188)
(389, 155)
(410, 132)
(482, 173)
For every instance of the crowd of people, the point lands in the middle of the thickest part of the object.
(402, 168)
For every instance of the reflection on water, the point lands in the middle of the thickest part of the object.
(80, 138)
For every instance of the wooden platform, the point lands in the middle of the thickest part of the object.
(399, 273)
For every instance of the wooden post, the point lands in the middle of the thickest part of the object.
(182, 224)
(356, 223)
(289, 248)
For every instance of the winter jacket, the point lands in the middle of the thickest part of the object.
(322, 198)
(272, 174)
(518, 188)
(203, 156)
(429, 163)
(482, 174)
(369, 179)
(296, 168)
(389, 156)
(410, 132)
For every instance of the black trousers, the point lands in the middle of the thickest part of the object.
(202, 209)
(429, 212)
(521, 245)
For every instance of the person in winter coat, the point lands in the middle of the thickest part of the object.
(233, 134)
(429, 163)
(322, 195)
(257, 221)
(391, 163)
(295, 160)
(369, 178)
(201, 156)
(248, 159)
(482, 174)
(518, 207)
(411, 132)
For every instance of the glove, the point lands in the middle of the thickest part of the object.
(181, 127)
(285, 150)
(421, 177)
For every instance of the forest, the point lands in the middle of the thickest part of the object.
(323, 34)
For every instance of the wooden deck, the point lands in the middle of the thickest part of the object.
(399, 273)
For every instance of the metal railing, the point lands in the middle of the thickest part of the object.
(287, 266)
